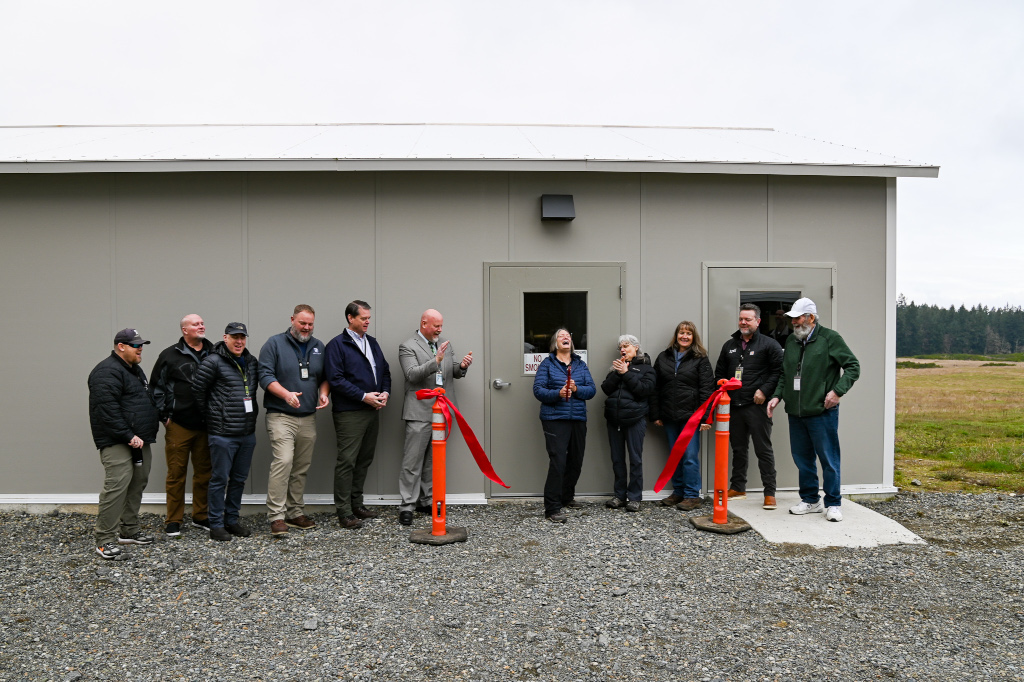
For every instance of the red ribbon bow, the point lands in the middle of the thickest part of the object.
(691, 428)
(479, 455)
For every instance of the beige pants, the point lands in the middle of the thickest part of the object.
(291, 443)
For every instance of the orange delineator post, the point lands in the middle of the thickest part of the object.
(437, 445)
(721, 500)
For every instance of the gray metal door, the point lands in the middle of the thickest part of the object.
(525, 304)
(727, 287)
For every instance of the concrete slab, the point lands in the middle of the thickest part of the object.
(860, 527)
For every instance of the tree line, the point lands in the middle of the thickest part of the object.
(928, 329)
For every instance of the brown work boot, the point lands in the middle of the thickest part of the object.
(364, 513)
(690, 503)
(278, 528)
(349, 522)
(769, 502)
(301, 521)
(670, 501)
(736, 495)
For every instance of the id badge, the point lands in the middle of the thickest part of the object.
(739, 372)
(796, 383)
(439, 378)
(248, 404)
(304, 372)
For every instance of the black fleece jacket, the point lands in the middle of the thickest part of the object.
(680, 391)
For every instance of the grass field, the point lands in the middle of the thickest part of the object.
(960, 426)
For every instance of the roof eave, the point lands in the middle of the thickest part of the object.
(543, 165)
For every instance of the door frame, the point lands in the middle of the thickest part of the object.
(487, 265)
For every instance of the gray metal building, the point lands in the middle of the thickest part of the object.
(108, 227)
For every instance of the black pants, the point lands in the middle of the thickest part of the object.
(751, 422)
(619, 439)
(565, 440)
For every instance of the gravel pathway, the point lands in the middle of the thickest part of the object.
(608, 596)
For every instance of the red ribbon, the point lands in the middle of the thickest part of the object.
(691, 428)
(467, 433)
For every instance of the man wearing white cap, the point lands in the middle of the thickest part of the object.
(818, 369)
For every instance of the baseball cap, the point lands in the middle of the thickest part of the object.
(803, 306)
(236, 328)
(127, 336)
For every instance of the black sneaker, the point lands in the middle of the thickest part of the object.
(633, 506)
(173, 529)
(109, 551)
(218, 533)
(573, 504)
(615, 503)
(201, 523)
(557, 517)
(237, 529)
(139, 538)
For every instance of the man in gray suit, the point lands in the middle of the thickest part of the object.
(427, 362)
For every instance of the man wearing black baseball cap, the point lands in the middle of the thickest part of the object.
(225, 390)
(124, 422)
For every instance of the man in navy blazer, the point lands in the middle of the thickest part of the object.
(360, 383)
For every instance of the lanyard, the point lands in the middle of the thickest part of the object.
(245, 379)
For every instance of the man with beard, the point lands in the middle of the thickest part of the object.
(184, 424)
(756, 360)
(124, 423)
(225, 390)
(427, 362)
(818, 369)
(294, 388)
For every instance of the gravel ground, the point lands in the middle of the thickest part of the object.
(608, 596)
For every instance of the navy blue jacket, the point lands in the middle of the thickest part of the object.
(350, 375)
(551, 377)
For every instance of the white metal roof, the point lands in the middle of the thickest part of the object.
(418, 146)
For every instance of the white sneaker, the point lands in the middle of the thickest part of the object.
(833, 514)
(805, 508)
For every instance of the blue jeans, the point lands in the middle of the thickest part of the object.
(686, 479)
(817, 438)
(231, 457)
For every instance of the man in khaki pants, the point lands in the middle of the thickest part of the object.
(295, 387)
(184, 424)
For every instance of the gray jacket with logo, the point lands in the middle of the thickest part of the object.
(281, 360)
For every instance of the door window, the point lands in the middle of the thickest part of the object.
(543, 313)
(774, 305)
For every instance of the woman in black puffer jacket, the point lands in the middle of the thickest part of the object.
(628, 387)
(685, 380)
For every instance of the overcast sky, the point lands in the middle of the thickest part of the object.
(934, 82)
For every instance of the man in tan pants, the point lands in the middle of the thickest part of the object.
(293, 380)
(184, 424)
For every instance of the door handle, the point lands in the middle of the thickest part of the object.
(499, 384)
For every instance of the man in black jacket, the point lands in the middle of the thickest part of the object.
(184, 424)
(756, 360)
(225, 391)
(124, 423)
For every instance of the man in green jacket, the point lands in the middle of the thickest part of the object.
(818, 369)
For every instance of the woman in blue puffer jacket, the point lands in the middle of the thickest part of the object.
(562, 385)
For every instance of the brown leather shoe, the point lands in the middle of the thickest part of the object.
(769, 502)
(301, 521)
(690, 503)
(736, 494)
(364, 513)
(349, 522)
(278, 528)
(670, 501)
